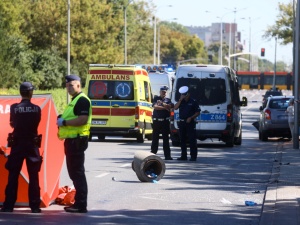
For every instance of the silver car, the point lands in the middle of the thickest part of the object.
(273, 121)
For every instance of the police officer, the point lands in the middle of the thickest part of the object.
(24, 119)
(188, 112)
(161, 122)
(74, 127)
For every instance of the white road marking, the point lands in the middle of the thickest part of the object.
(126, 165)
(225, 201)
(102, 175)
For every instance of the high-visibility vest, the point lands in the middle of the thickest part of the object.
(68, 114)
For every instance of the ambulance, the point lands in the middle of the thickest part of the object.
(121, 101)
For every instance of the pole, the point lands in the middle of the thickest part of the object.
(68, 43)
(234, 40)
(125, 31)
(158, 44)
(296, 85)
(229, 47)
(221, 42)
(154, 41)
(154, 37)
(274, 76)
(250, 63)
(125, 35)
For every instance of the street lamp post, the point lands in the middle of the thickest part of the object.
(274, 76)
(68, 45)
(158, 41)
(125, 32)
(154, 33)
(221, 38)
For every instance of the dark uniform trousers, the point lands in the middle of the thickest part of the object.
(24, 150)
(75, 165)
(187, 130)
(164, 128)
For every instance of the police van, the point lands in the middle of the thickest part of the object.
(159, 79)
(216, 90)
(121, 101)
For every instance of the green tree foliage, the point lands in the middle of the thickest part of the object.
(283, 27)
(33, 38)
(178, 46)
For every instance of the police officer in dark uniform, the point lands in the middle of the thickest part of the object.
(188, 112)
(74, 126)
(161, 122)
(24, 142)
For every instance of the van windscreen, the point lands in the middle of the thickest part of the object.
(208, 91)
(110, 90)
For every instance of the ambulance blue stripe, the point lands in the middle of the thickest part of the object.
(100, 103)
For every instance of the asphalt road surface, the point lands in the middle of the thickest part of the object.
(212, 190)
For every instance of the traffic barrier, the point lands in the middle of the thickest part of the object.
(148, 167)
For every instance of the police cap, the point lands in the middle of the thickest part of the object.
(164, 88)
(183, 90)
(72, 77)
(26, 86)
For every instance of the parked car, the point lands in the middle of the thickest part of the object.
(273, 121)
(269, 93)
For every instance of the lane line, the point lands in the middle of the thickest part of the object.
(102, 175)
(126, 165)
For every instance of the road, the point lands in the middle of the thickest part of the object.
(212, 190)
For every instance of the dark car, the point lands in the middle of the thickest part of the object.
(269, 93)
(273, 121)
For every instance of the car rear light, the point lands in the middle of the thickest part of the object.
(172, 115)
(229, 113)
(267, 114)
(137, 113)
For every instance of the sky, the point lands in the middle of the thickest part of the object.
(262, 13)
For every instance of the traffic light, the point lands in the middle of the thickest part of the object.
(210, 58)
(262, 52)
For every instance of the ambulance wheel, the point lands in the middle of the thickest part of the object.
(141, 136)
(101, 137)
(90, 137)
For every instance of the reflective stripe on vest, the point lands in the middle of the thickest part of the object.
(74, 131)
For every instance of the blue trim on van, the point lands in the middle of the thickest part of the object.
(208, 117)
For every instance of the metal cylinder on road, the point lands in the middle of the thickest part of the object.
(148, 167)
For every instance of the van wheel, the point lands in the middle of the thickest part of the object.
(230, 140)
(141, 136)
(238, 140)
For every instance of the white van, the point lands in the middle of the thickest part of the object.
(159, 79)
(216, 90)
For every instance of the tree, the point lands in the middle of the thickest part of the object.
(283, 27)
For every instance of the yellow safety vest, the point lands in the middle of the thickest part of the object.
(74, 131)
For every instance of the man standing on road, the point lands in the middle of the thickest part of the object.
(161, 122)
(24, 142)
(188, 112)
(74, 127)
